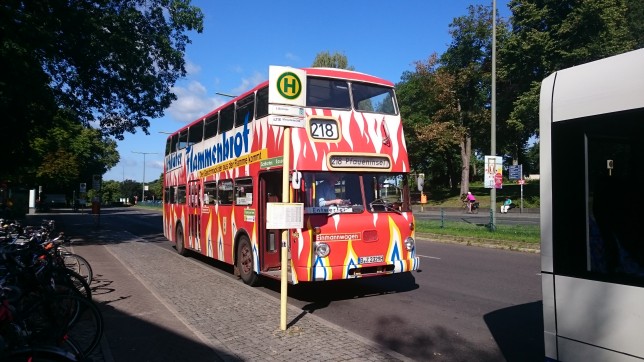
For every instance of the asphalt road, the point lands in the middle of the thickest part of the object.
(466, 303)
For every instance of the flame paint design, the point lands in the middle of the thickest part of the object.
(394, 253)
(350, 261)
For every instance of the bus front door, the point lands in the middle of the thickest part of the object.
(194, 215)
(270, 240)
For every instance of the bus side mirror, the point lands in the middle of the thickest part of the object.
(296, 177)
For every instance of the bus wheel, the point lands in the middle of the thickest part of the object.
(245, 262)
(181, 249)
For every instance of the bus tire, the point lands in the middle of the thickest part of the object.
(245, 262)
(181, 249)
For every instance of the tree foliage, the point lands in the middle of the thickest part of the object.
(453, 116)
(109, 64)
(447, 99)
(69, 154)
(551, 35)
(336, 60)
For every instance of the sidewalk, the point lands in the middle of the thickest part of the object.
(160, 306)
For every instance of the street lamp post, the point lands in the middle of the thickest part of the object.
(143, 188)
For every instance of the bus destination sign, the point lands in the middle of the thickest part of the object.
(353, 161)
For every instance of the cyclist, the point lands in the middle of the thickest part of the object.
(470, 201)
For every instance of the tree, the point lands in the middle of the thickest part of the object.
(335, 60)
(432, 140)
(109, 63)
(68, 154)
(130, 188)
(551, 35)
(466, 83)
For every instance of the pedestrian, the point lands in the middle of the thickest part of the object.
(506, 205)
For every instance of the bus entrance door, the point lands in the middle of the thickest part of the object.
(270, 241)
(194, 215)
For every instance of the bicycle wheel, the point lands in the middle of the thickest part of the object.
(66, 279)
(78, 264)
(85, 323)
(68, 321)
(40, 354)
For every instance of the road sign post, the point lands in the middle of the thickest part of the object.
(287, 90)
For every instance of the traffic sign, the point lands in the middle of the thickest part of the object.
(514, 172)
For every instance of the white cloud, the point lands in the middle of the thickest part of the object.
(192, 101)
(292, 57)
(248, 83)
(192, 68)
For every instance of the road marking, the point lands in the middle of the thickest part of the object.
(428, 257)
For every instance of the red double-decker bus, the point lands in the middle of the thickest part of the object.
(347, 171)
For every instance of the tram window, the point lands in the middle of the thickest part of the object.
(596, 234)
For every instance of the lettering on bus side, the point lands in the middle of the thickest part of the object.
(229, 147)
(173, 161)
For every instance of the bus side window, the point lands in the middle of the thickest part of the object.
(244, 192)
(209, 193)
(226, 118)
(195, 133)
(261, 104)
(225, 192)
(181, 195)
(210, 127)
(245, 110)
(183, 140)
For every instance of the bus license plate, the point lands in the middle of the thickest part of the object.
(371, 259)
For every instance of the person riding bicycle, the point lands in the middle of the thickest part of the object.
(470, 201)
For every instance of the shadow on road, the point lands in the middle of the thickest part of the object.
(518, 331)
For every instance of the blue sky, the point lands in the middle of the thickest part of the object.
(241, 39)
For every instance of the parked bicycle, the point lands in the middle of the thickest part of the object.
(46, 311)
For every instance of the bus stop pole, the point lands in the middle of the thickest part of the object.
(285, 199)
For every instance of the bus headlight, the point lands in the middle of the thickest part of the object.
(322, 250)
(410, 243)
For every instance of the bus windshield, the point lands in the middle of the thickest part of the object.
(334, 93)
(354, 192)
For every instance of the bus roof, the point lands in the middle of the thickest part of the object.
(347, 74)
(604, 86)
(315, 71)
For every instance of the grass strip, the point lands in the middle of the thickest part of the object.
(528, 234)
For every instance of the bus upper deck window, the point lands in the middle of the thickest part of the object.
(373, 98)
(327, 93)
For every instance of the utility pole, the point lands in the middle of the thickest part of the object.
(493, 130)
(143, 187)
